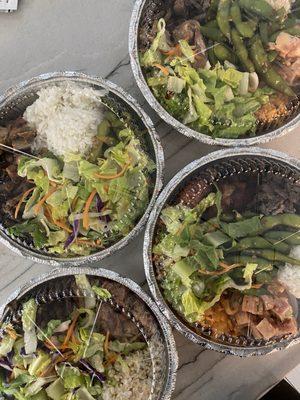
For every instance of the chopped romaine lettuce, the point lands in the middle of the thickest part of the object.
(29, 326)
(84, 285)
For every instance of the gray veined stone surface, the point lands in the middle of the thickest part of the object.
(91, 36)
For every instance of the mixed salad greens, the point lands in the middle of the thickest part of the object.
(65, 359)
(222, 271)
(228, 85)
(79, 204)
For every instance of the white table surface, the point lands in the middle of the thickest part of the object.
(91, 36)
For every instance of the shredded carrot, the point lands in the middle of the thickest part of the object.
(11, 332)
(257, 286)
(175, 51)
(163, 69)
(74, 339)
(70, 331)
(226, 268)
(24, 195)
(112, 358)
(44, 199)
(89, 242)
(62, 225)
(86, 221)
(108, 177)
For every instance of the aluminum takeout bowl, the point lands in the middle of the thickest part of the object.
(55, 288)
(149, 8)
(228, 163)
(13, 103)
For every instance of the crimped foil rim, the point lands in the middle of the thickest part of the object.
(134, 287)
(180, 127)
(147, 251)
(159, 161)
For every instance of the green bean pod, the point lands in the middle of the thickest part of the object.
(241, 51)
(259, 7)
(275, 81)
(272, 255)
(265, 69)
(264, 33)
(212, 10)
(291, 238)
(258, 242)
(213, 33)
(211, 54)
(223, 17)
(247, 29)
(235, 13)
(259, 55)
(271, 221)
(223, 53)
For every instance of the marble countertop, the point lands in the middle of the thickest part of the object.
(91, 36)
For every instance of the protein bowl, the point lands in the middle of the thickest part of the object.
(223, 72)
(88, 334)
(87, 172)
(221, 251)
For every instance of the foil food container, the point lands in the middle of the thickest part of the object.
(13, 103)
(53, 289)
(215, 166)
(147, 10)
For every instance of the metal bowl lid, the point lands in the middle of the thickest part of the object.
(146, 13)
(236, 172)
(129, 315)
(16, 99)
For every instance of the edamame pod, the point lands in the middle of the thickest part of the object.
(223, 17)
(241, 51)
(292, 238)
(213, 33)
(265, 69)
(223, 53)
(259, 7)
(273, 256)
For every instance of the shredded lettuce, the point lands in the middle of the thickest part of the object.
(84, 285)
(6, 345)
(153, 54)
(29, 328)
(204, 92)
(56, 390)
(101, 292)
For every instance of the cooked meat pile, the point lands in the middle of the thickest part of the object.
(119, 326)
(263, 317)
(19, 136)
(183, 22)
(268, 194)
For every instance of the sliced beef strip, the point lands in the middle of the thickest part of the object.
(119, 326)
(132, 303)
